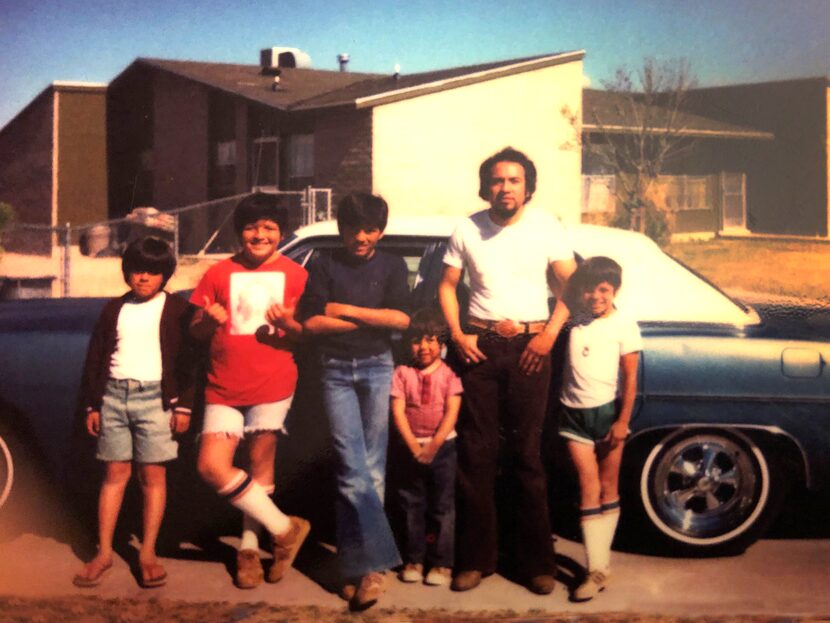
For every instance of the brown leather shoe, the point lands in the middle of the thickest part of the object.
(542, 584)
(285, 548)
(466, 580)
(249, 573)
(371, 588)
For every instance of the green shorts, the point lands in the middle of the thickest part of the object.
(587, 425)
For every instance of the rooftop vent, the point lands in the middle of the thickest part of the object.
(343, 61)
(271, 59)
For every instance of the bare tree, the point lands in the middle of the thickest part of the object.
(634, 129)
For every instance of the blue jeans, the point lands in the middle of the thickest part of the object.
(356, 399)
(427, 500)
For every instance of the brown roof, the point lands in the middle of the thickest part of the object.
(307, 89)
(607, 110)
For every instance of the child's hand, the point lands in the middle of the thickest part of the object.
(215, 312)
(428, 452)
(280, 315)
(617, 435)
(179, 422)
(93, 423)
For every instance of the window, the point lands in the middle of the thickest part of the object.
(223, 176)
(685, 192)
(300, 161)
(598, 193)
(265, 173)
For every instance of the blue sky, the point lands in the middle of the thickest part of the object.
(727, 41)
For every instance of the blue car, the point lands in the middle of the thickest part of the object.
(732, 412)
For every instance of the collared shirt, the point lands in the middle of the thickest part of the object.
(425, 396)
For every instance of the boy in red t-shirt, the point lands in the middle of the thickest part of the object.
(247, 312)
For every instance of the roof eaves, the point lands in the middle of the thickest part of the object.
(692, 132)
(467, 79)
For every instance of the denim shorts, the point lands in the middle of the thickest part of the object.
(587, 425)
(242, 420)
(134, 424)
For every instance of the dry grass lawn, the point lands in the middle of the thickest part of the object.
(799, 269)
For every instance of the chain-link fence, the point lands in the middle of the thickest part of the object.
(84, 260)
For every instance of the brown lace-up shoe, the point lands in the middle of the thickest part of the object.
(249, 573)
(371, 588)
(286, 547)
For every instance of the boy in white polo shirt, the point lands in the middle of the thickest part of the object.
(604, 346)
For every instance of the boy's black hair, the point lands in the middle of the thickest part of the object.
(589, 274)
(427, 321)
(258, 206)
(149, 254)
(357, 209)
(508, 154)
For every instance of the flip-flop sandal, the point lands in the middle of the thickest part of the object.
(83, 580)
(153, 576)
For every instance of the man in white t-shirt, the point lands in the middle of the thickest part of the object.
(512, 255)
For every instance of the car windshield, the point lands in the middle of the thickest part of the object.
(656, 288)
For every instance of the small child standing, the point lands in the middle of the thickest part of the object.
(604, 346)
(425, 399)
(137, 390)
(246, 313)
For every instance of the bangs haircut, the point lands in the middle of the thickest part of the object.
(589, 274)
(362, 209)
(258, 206)
(427, 321)
(149, 254)
(508, 154)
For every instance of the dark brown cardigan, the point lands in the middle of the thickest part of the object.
(177, 364)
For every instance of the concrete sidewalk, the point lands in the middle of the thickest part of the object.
(781, 577)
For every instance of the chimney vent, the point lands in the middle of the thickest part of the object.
(343, 60)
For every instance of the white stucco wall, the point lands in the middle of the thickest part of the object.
(427, 150)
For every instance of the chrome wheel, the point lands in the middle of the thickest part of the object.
(705, 488)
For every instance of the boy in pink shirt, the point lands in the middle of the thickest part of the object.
(425, 399)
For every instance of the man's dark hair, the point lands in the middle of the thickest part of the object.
(590, 273)
(360, 209)
(508, 154)
(258, 206)
(151, 255)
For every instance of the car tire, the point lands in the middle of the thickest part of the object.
(7, 463)
(709, 492)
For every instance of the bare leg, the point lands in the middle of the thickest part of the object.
(109, 505)
(153, 478)
(585, 461)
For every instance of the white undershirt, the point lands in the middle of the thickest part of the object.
(137, 352)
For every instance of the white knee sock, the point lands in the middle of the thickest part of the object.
(608, 521)
(592, 530)
(251, 527)
(249, 497)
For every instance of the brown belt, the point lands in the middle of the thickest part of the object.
(508, 328)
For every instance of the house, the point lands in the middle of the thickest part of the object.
(788, 178)
(702, 186)
(53, 171)
(53, 160)
(184, 132)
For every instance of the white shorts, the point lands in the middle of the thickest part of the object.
(240, 421)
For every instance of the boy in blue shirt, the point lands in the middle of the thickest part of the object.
(354, 299)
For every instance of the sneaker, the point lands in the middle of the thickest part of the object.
(439, 576)
(285, 548)
(249, 573)
(591, 586)
(412, 572)
(371, 588)
(466, 580)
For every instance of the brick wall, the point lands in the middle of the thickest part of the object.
(343, 152)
